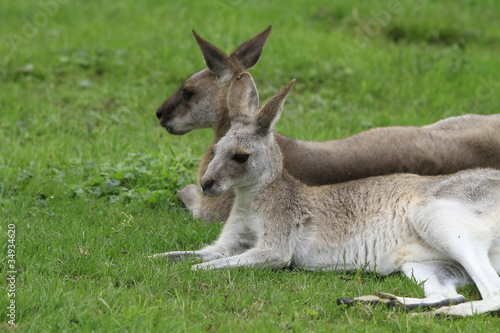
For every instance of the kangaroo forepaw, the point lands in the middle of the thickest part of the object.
(177, 255)
(204, 255)
(190, 197)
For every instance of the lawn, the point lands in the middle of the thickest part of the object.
(88, 177)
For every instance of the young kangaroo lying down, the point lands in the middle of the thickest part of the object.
(442, 231)
(442, 148)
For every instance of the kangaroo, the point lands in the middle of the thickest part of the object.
(200, 102)
(445, 147)
(440, 231)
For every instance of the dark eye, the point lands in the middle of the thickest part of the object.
(240, 158)
(187, 94)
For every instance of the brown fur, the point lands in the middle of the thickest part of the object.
(382, 151)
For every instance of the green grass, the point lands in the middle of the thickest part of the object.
(88, 177)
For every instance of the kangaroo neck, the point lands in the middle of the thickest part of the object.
(221, 129)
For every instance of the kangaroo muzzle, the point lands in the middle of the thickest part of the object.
(207, 186)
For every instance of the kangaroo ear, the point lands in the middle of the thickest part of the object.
(271, 111)
(243, 98)
(249, 52)
(216, 60)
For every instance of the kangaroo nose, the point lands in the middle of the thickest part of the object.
(159, 113)
(207, 185)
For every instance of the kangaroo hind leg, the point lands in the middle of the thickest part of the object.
(471, 239)
(440, 281)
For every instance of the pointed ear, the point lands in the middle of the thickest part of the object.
(271, 111)
(249, 52)
(243, 98)
(216, 60)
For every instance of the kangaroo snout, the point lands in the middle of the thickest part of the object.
(206, 186)
(159, 113)
(165, 112)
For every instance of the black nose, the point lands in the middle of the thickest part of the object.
(207, 185)
(159, 113)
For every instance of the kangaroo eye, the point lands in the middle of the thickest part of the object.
(187, 94)
(240, 158)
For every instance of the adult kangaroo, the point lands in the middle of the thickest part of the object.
(445, 147)
(440, 231)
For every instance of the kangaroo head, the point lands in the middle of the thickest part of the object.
(247, 154)
(201, 101)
